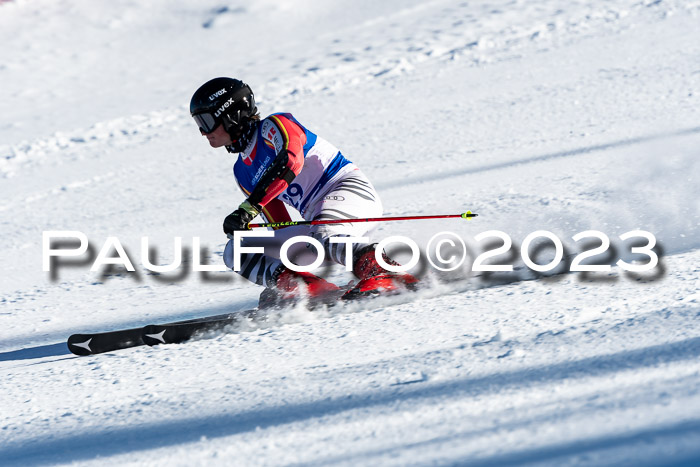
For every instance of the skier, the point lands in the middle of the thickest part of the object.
(281, 163)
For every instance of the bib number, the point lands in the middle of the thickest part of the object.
(294, 194)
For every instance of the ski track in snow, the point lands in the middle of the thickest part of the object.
(537, 115)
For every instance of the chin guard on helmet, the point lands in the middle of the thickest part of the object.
(241, 140)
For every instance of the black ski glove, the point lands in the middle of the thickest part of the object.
(241, 217)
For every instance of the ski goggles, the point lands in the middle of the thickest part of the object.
(206, 122)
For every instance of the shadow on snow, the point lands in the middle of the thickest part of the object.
(41, 351)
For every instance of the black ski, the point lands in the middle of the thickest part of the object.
(174, 333)
(89, 344)
(181, 331)
(101, 342)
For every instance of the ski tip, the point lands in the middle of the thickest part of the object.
(79, 344)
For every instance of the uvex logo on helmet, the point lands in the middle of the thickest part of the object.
(223, 107)
(217, 94)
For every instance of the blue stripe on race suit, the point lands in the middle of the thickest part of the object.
(310, 141)
(333, 168)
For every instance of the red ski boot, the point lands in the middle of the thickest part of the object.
(374, 279)
(291, 286)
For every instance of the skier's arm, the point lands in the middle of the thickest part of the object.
(274, 211)
(288, 139)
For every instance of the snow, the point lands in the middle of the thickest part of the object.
(558, 116)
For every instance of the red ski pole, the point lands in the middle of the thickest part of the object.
(467, 215)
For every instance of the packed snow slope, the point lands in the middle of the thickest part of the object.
(548, 115)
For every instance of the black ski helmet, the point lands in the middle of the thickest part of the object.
(224, 101)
